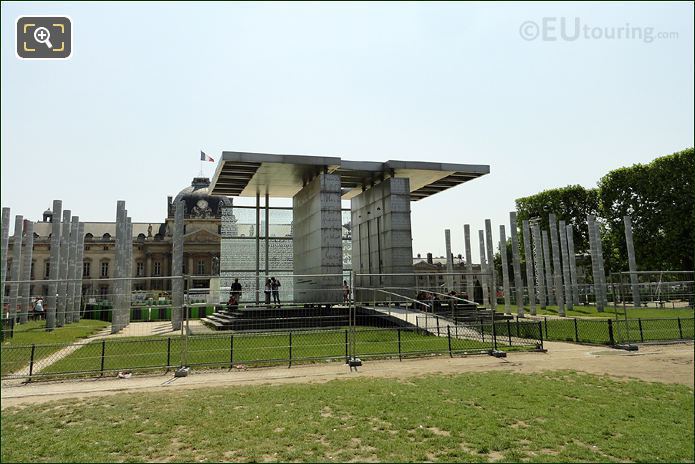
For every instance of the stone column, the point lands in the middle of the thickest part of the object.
(491, 264)
(72, 264)
(634, 281)
(317, 241)
(5, 246)
(601, 270)
(128, 269)
(176, 268)
(516, 263)
(148, 271)
(470, 281)
(79, 269)
(528, 258)
(117, 318)
(566, 265)
(63, 272)
(382, 236)
(54, 267)
(538, 263)
(449, 261)
(557, 265)
(573, 264)
(505, 269)
(16, 265)
(548, 268)
(484, 277)
(25, 288)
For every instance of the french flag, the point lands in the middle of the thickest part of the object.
(204, 157)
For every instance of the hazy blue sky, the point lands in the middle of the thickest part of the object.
(149, 85)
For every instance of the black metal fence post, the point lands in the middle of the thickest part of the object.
(680, 329)
(347, 357)
(540, 333)
(31, 360)
(611, 339)
(546, 327)
(509, 332)
(417, 325)
(494, 335)
(400, 358)
(290, 350)
(482, 332)
(103, 354)
(168, 352)
(231, 351)
(576, 331)
(448, 334)
(438, 326)
(641, 334)
(517, 327)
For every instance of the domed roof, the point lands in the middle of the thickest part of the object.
(199, 202)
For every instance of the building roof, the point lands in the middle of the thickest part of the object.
(246, 174)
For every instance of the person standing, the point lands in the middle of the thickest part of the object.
(275, 290)
(38, 309)
(267, 290)
(236, 290)
(346, 292)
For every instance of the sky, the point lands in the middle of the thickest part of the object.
(149, 85)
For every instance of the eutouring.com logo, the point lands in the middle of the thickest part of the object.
(561, 29)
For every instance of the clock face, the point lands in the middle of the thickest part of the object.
(202, 204)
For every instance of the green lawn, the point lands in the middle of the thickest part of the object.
(270, 348)
(610, 312)
(467, 417)
(16, 351)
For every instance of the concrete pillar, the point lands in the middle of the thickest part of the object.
(54, 267)
(117, 320)
(128, 269)
(528, 258)
(516, 263)
(557, 265)
(5, 246)
(538, 263)
(550, 292)
(573, 264)
(491, 264)
(566, 265)
(382, 236)
(632, 263)
(63, 272)
(16, 266)
(177, 265)
(148, 271)
(256, 285)
(601, 270)
(317, 242)
(449, 261)
(267, 239)
(25, 288)
(79, 268)
(505, 269)
(470, 281)
(72, 264)
(484, 277)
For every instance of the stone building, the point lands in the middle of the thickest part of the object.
(152, 246)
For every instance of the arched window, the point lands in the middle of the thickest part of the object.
(141, 237)
(106, 236)
(88, 237)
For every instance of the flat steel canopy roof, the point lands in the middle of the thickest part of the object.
(243, 174)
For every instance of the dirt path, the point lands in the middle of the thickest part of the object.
(656, 363)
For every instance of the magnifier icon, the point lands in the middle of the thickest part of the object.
(42, 35)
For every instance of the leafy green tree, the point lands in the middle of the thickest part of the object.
(571, 204)
(660, 199)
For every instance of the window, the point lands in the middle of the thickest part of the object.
(157, 268)
(46, 269)
(104, 268)
(104, 290)
(139, 269)
(86, 269)
(201, 267)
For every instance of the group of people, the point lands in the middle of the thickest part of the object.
(271, 290)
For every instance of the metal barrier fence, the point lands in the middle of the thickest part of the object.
(613, 332)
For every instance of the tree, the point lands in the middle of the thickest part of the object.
(571, 204)
(660, 199)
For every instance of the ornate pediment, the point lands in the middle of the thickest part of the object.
(201, 236)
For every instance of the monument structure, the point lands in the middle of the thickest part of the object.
(379, 193)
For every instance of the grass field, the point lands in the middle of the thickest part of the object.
(590, 311)
(271, 348)
(549, 417)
